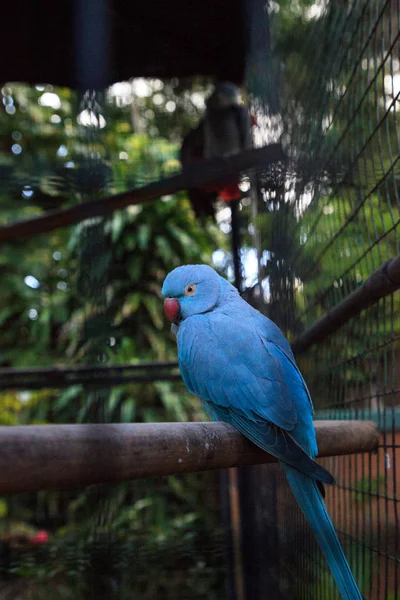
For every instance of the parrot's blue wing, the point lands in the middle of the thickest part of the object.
(232, 368)
(272, 439)
(278, 345)
(243, 383)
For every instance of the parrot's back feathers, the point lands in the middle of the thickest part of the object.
(223, 375)
(272, 439)
(280, 444)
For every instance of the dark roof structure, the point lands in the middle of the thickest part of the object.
(93, 43)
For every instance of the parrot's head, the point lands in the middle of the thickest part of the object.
(225, 95)
(191, 290)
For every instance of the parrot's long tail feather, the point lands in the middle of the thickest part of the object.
(313, 506)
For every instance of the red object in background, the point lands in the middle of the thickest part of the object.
(41, 537)
(230, 192)
(227, 193)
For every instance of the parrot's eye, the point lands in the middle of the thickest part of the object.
(190, 289)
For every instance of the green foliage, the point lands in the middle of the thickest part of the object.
(92, 293)
(368, 486)
(10, 409)
(363, 564)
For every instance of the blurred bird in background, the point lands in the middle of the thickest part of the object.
(224, 131)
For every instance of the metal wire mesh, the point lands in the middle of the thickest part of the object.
(317, 230)
(322, 232)
(93, 549)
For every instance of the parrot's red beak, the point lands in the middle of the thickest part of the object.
(171, 308)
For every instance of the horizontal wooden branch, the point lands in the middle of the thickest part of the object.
(382, 282)
(205, 173)
(44, 457)
(90, 376)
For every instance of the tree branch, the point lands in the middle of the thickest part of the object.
(206, 173)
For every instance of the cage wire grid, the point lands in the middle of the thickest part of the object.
(322, 232)
(320, 228)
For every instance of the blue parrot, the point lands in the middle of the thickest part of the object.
(241, 366)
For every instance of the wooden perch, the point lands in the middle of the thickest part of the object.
(382, 282)
(44, 457)
(202, 174)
